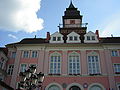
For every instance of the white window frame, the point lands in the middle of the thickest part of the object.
(70, 38)
(88, 38)
(13, 55)
(21, 67)
(114, 53)
(76, 38)
(58, 38)
(73, 56)
(54, 38)
(34, 54)
(54, 70)
(116, 69)
(2, 63)
(26, 55)
(11, 69)
(94, 70)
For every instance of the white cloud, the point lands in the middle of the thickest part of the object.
(12, 36)
(20, 15)
(111, 26)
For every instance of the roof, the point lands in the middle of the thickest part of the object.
(71, 5)
(72, 11)
(110, 40)
(103, 40)
(32, 41)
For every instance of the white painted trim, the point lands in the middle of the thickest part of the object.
(74, 84)
(98, 84)
(90, 34)
(92, 53)
(55, 54)
(20, 66)
(54, 84)
(73, 34)
(76, 54)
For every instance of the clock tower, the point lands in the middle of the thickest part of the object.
(72, 21)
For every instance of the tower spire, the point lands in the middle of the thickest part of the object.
(71, 4)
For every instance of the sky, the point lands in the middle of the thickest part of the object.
(26, 18)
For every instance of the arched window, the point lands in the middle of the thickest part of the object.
(95, 87)
(55, 63)
(54, 87)
(74, 88)
(74, 63)
(93, 63)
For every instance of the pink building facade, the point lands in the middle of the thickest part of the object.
(71, 59)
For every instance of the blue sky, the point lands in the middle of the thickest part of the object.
(26, 18)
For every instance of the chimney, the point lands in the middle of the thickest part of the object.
(48, 36)
(97, 33)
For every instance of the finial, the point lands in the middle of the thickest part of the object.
(70, 1)
(71, 4)
(35, 36)
(111, 35)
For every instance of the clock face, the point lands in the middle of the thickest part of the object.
(72, 21)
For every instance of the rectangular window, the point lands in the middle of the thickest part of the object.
(74, 65)
(34, 54)
(117, 68)
(72, 21)
(54, 38)
(75, 38)
(2, 62)
(88, 37)
(58, 38)
(93, 37)
(114, 53)
(25, 54)
(10, 69)
(13, 55)
(93, 65)
(55, 66)
(23, 67)
(70, 38)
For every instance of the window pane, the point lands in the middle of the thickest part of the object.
(58, 38)
(55, 65)
(25, 54)
(34, 54)
(74, 64)
(93, 65)
(10, 69)
(88, 37)
(93, 37)
(75, 38)
(71, 38)
(13, 55)
(54, 38)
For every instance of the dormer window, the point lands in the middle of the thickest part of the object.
(70, 38)
(54, 38)
(58, 38)
(88, 37)
(93, 37)
(75, 38)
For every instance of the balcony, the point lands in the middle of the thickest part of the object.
(73, 25)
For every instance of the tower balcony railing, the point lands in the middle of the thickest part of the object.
(72, 25)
